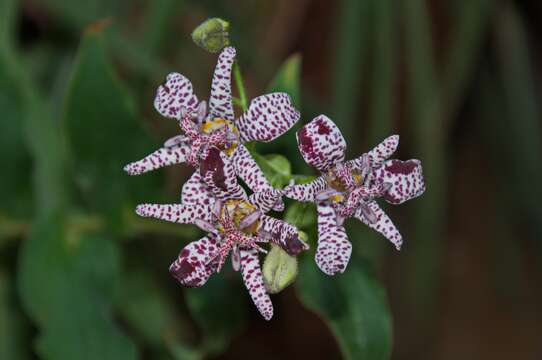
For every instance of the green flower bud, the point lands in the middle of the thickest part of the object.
(212, 35)
(279, 270)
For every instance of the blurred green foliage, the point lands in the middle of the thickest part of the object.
(77, 278)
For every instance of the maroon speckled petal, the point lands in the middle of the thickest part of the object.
(265, 200)
(321, 143)
(175, 93)
(218, 172)
(405, 177)
(334, 249)
(267, 117)
(220, 102)
(306, 192)
(182, 214)
(162, 157)
(383, 224)
(283, 234)
(196, 192)
(193, 267)
(253, 279)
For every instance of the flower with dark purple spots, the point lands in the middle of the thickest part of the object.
(350, 189)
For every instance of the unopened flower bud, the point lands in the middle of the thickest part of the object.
(212, 35)
(279, 270)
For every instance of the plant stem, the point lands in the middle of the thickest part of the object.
(240, 86)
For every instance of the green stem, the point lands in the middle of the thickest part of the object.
(240, 86)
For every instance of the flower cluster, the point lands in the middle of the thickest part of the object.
(213, 143)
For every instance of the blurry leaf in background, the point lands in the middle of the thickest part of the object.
(351, 54)
(80, 12)
(220, 309)
(104, 132)
(352, 304)
(67, 280)
(15, 161)
(149, 311)
(287, 79)
(12, 333)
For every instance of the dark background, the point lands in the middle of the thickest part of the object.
(458, 80)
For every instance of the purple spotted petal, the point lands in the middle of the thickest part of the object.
(253, 279)
(266, 200)
(196, 192)
(162, 157)
(193, 267)
(382, 224)
(405, 177)
(283, 234)
(220, 102)
(379, 153)
(321, 143)
(334, 249)
(306, 192)
(182, 214)
(174, 93)
(267, 117)
(249, 171)
(218, 172)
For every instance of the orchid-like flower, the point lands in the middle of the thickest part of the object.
(235, 225)
(350, 189)
(212, 135)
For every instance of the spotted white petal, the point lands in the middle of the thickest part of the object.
(253, 279)
(321, 143)
(176, 92)
(220, 102)
(249, 171)
(267, 117)
(306, 192)
(334, 249)
(162, 157)
(266, 200)
(405, 177)
(381, 223)
(283, 234)
(196, 192)
(177, 213)
(383, 151)
(193, 266)
(218, 172)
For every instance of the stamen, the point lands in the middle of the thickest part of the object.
(250, 219)
(326, 194)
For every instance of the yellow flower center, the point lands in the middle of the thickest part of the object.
(211, 126)
(238, 209)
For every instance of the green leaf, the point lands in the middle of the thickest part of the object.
(352, 304)
(8, 16)
(276, 168)
(12, 324)
(287, 79)
(104, 132)
(219, 308)
(15, 159)
(66, 281)
(149, 311)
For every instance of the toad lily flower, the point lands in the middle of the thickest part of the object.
(350, 188)
(234, 225)
(215, 126)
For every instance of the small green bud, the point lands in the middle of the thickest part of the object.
(212, 35)
(279, 270)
